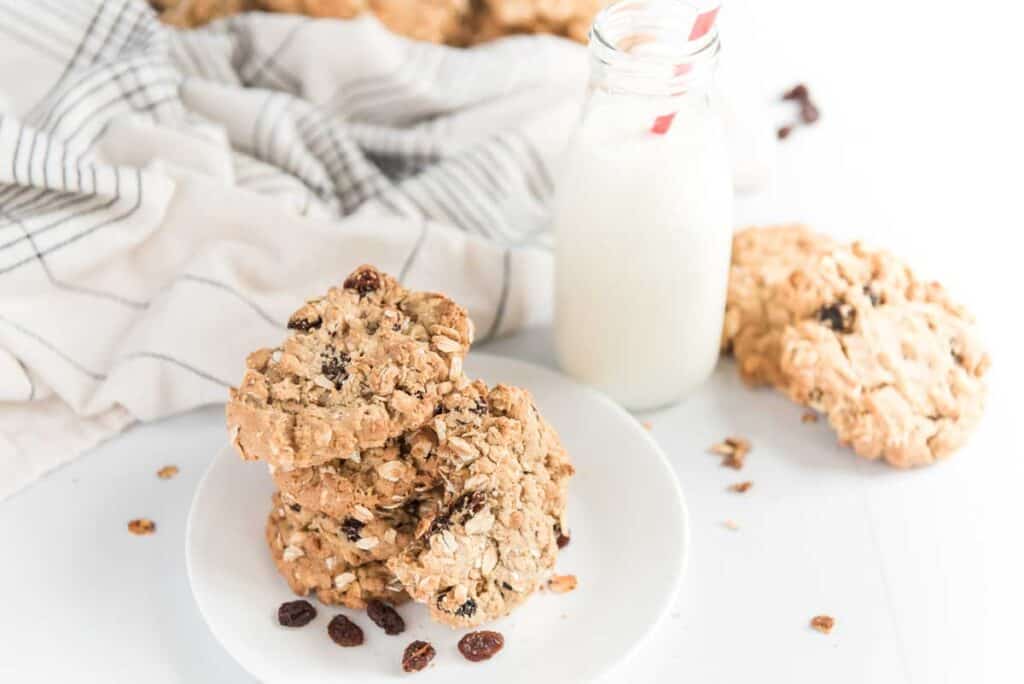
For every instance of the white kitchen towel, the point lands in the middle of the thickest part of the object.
(167, 198)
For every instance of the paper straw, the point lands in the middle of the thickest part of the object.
(704, 21)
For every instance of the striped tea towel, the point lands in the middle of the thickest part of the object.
(167, 198)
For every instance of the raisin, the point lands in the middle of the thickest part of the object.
(477, 646)
(363, 281)
(508, 586)
(782, 134)
(296, 613)
(351, 528)
(467, 609)
(561, 538)
(838, 317)
(440, 409)
(304, 324)
(798, 92)
(385, 617)
(344, 632)
(295, 507)
(412, 508)
(333, 365)
(417, 656)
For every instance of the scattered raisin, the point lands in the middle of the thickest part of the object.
(467, 609)
(295, 507)
(508, 586)
(333, 365)
(385, 617)
(477, 646)
(838, 317)
(417, 656)
(782, 133)
(798, 92)
(351, 527)
(344, 632)
(363, 281)
(296, 613)
(479, 406)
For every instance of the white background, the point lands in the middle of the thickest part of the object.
(919, 149)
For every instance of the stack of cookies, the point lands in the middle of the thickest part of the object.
(892, 361)
(398, 476)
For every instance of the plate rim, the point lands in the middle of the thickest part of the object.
(663, 460)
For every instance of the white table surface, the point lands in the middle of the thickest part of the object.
(919, 149)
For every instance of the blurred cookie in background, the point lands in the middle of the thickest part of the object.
(452, 22)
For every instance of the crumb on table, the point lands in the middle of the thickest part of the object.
(823, 623)
(733, 451)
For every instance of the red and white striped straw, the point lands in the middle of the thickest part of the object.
(705, 14)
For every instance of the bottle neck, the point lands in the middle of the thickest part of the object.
(648, 48)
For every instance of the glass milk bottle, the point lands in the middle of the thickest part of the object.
(643, 218)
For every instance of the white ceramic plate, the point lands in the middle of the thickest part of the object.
(629, 544)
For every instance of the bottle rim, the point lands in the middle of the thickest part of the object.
(671, 61)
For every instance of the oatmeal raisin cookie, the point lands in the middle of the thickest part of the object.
(365, 363)
(892, 361)
(494, 541)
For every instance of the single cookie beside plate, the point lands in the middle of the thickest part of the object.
(893, 362)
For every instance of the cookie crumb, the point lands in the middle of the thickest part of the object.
(167, 472)
(563, 584)
(731, 524)
(784, 132)
(823, 623)
(741, 487)
(809, 417)
(733, 451)
(417, 656)
(648, 425)
(141, 526)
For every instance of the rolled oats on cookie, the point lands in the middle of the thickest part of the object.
(310, 566)
(365, 363)
(349, 540)
(384, 478)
